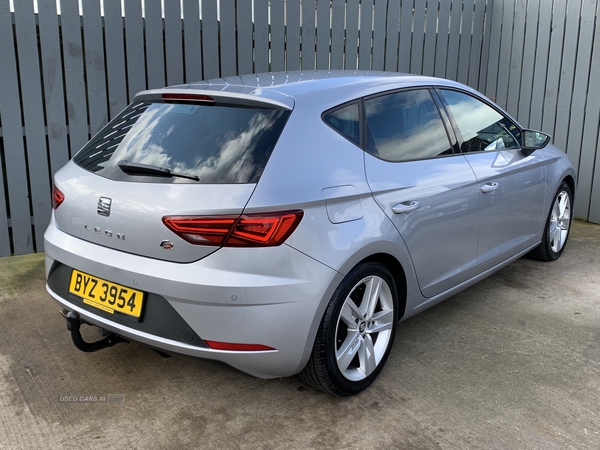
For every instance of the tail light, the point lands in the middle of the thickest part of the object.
(57, 197)
(248, 230)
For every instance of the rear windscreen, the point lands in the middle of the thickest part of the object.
(209, 143)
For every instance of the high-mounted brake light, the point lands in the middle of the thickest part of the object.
(57, 197)
(188, 97)
(248, 230)
(238, 347)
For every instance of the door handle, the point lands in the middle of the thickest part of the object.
(405, 207)
(489, 187)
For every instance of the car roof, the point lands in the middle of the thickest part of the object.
(321, 88)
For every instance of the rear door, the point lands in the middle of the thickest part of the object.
(510, 183)
(428, 191)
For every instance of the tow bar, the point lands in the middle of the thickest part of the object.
(73, 325)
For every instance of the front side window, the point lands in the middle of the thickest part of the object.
(481, 126)
(203, 143)
(405, 126)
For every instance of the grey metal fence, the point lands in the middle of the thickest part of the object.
(543, 66)
(63, 76)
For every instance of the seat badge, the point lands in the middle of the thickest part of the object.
(104, 206)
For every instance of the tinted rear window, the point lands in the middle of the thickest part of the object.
(218, 144)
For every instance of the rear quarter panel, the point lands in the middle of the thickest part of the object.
(309, 158)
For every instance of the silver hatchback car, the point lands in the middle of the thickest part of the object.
(285, 223)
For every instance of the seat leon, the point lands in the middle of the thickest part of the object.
(285, 223)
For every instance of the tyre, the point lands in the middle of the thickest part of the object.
(557, 226)
(356, 332)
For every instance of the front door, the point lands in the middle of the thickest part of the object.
(511, 184)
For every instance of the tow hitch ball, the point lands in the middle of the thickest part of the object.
(73, 325)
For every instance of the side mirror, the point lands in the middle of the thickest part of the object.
(534, 140)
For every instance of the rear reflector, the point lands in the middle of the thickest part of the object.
(57, 197)
(248, 230)
(238, 347)
(188, 97)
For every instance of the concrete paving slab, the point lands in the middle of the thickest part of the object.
(511, 363)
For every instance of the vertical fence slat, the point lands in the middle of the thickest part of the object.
(134, 39)
(4, 236)
(337, 34)
(453, 41)
(54, 95)
(261, 35)
(594, 215)
(323, 31)
(94, 65)
(36, 149)
(173, 43)
(553, 72)
(485, 49)
(392, 35)
(308, 35)
(227, 42)
(494, 49)
(406, 18)
(441, 51)
(565, 87)
(351, 49)
(277, 35)
(431, 32)
(292, 36)
(476, 43)
(365, 35)
(191, 36)
(516, 59)
(74, 81)
(589, 167)
(418, 38)
(540, 68)
(505, 53)
(14, 151)
(115, 56)
(244, 37)
(464, 49)
(155, 55)
(529, 50)
(379, 23)
(578, 108)
(210, 39)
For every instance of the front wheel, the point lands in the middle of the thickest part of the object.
(557, 226)
(356, 332)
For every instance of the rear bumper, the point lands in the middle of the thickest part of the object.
(272, 296)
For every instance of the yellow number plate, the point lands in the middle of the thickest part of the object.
(107, 296)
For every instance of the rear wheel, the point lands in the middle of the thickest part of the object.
(557, 227)
(356, 332)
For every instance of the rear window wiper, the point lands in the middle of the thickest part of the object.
(146, 169)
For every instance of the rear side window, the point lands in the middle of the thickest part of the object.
(345, 121)
(405, 126)
(481, 126)
(206, 143)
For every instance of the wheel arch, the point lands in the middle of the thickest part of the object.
(397, 271)
(400, 272)
(571, 183)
